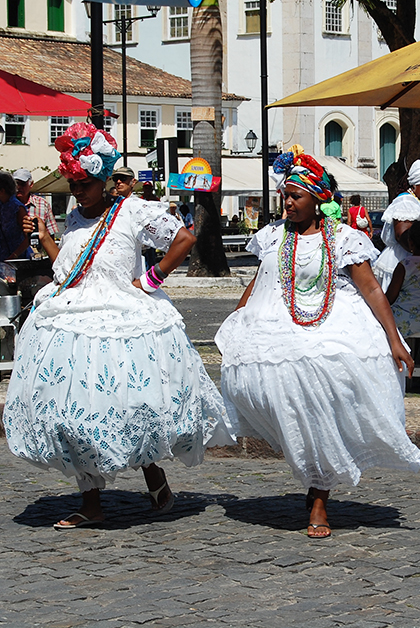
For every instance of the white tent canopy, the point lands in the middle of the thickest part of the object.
(241, 176)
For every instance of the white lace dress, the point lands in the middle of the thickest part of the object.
(105, 377)
(330, 397)
(404, 207)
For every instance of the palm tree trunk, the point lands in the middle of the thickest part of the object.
(207, 257)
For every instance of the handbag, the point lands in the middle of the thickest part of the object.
(362, 223)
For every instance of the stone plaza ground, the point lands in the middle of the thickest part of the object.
(233, 552)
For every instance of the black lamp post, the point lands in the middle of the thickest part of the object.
(251, 142)
(124, 24)
(94, 11)
(264, 112)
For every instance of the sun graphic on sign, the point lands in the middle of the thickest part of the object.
(198, 165)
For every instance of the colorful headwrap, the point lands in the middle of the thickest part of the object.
(303, 171)
(86, 151)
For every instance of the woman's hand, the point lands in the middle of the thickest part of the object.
(400, 354)
(137, 284)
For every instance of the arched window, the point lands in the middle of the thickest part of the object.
(387, 139)
(333, 139)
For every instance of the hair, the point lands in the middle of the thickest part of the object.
(333, 182)
(414, 234)
(355, 199)
(7, 183)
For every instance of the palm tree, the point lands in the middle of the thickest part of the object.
(208, 257)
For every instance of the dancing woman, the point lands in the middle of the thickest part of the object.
(322, 375)
(105, 377)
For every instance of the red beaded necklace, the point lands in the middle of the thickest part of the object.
(287, 267)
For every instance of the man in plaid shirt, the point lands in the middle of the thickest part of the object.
(36, 206)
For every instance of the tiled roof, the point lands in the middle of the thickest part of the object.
(65, 66)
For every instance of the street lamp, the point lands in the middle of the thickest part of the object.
(251, 142)
(123, 25)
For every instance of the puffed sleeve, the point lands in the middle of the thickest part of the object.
(353, 247)
(266, 239)
(152, 225)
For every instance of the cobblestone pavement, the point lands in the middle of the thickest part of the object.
(233, 551)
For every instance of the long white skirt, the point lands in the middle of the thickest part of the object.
(332, 416)
(86, 405)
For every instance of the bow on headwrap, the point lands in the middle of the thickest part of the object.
(86, 151)
(303, 171)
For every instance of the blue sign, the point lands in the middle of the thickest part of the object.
(145, 175)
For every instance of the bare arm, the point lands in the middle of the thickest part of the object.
(371, 291)
(349, 218)
(370, 228)
(44, 237)
(396, 284)
(244, 298)
(178, 251)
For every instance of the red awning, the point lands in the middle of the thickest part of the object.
(19, 96)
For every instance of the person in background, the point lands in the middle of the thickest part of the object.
(404, 290)
(36, 206)
(333, 208)
(187, 216)
(13, 242)
(124, 181)
(148, 192)
(398, 218)
(358, 216)
(173, 209)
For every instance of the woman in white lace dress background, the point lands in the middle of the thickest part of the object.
(105, 377)
(398, 218)
(321, 377)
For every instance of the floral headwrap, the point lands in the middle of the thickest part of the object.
(303, 171)
(86, 151)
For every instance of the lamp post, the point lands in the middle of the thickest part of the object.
(124, 24)
(264, 112)
(94, 12)
(251, 142)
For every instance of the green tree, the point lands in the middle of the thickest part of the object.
(398, 31)
(207, 257)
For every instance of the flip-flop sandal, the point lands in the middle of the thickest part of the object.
(154, 498)
(319, 525)
(85, 521)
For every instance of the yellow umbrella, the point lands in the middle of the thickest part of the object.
(393, 79)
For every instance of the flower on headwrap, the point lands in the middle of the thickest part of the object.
(86, 151)
(303, 171)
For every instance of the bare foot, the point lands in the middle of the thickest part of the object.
(318, 523)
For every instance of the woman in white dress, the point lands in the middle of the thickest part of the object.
(398, 218)
(105, 377)
(321, 374)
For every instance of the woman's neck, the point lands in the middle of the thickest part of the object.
(95, 210)
(309, 227)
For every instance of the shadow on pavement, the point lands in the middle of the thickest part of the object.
(287, 512)
(125, 509)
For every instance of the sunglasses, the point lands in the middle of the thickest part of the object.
(124, 178)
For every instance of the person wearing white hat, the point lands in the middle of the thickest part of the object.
(36, 206)
(398, 218)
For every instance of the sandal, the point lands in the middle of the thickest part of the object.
(154, 498)
(84, 521)
(319, 525)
